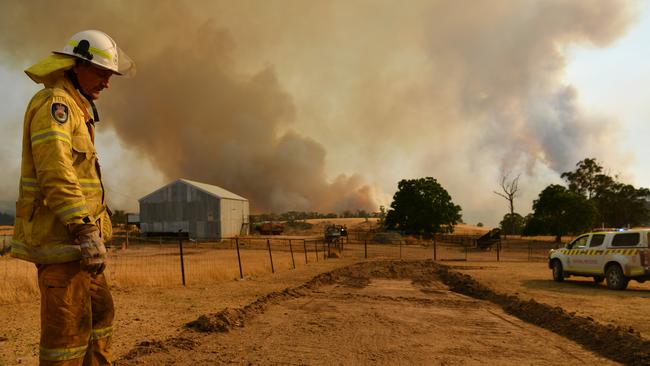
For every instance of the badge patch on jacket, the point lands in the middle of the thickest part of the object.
(60, 112)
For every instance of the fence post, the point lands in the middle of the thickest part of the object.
(304, 245)
(241, 272)
(435, 254)
(465, 253)
(292, 260)
(365, 248)
(180, 245)
(268, 243)
(499, 250)
(400, 250)
(127, 237)
(316, 246)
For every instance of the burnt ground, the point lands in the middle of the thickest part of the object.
(393, 312)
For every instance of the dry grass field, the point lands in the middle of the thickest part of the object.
(298, 316)
(157, 308)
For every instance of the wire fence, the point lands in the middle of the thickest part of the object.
(134, 261)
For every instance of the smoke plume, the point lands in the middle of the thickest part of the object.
(194, 113)
(270, 100)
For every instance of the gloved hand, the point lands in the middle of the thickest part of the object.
(93, 251)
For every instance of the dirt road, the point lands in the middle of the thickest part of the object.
(379, 313)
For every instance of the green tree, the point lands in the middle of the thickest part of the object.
(422, 206)
(618, 204)
(559, 211)
(621, 205)
(587, 178)
(512, 224)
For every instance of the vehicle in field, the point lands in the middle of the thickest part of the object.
(616, 256)
(488, 239)
(333, 236)
(334, 233)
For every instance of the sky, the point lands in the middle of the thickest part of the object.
(613, 82)
(326, 105)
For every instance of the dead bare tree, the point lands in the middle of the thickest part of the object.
(510, 187)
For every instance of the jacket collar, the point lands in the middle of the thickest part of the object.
(83, 103)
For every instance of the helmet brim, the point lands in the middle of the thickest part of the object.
(126, 66)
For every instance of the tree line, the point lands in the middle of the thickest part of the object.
(291, 216)
(591, 199)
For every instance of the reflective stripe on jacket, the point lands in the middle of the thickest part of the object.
(60, 180)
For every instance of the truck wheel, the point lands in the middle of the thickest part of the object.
(599, 279)
(615, 277)
(558, 271)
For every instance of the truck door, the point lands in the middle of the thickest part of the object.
(574, 257)
(593, 258)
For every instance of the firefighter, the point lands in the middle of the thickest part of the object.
(62, 220)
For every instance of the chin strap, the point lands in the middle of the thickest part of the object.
(73, 78)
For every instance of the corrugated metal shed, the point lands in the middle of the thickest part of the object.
(205, 211)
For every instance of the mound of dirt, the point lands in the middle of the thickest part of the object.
(222, 321)
(227, 319)
(150, 347)
(145, 348)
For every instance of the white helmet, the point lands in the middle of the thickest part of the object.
(99, 49)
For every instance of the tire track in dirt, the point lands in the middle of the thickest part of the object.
(615, 343)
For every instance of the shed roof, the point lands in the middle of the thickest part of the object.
(207, 188)
(214, 190)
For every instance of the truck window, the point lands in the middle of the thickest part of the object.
(626, 240)
(596, 240)
(579, 242)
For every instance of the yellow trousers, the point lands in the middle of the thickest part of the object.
(76, 316)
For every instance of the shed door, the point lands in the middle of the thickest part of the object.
(200, 229)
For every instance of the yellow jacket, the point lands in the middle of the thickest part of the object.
(60, 180)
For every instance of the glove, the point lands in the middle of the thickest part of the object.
(93, 251)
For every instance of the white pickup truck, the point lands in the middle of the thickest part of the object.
(616, 255)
